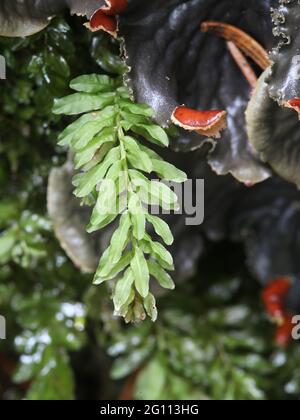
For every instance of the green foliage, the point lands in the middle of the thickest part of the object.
(45, 323)
(105, 52)
(45, 346)
(158, 382)
(194, 360)
(37, 70)
(221, 352)
(36, 278)
(212, 354)
(25, 242)
(51, 309)
(113, 160)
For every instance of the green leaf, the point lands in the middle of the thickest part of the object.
(161, 228)
(123, 289)
(158, 194)
(130, 120)
(88, 131)
(163, 278)
(67, 135)
(86, 182)
(159, 250)
(108, 205)
(115, 171)
(150, 307)
(118, 243)
(139, 222)
(152, 155)
(168, 172)
(139, 109)
(113, 271)
(139, 163)
(124, 92)
(98, 157)
(138, 216)
(125, 309)
(103, 221)
(93, 83)
(138, 179)
(106, 202)
(7, 242)
(85, 155)
(79, 103)
(162, 192)
(99, 222)
(153, 133)
(137, 158)
(151, 381)
(141, 272)
(153, 192)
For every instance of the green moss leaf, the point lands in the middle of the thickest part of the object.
(79, 103)
(140, 272)
(93, 83)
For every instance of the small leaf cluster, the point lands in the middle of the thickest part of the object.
(110, 143)
(45, 346)
(25, 240)
(209, 356)
(206, 346)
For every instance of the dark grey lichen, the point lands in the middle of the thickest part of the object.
(274, 132)
(172, 63)
(284, 82)
(26, 17)
(273, 128)
(267, 220)
(70, 219)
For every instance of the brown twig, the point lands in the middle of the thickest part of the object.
(127, 393)
(243, 64)
(243, 41)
